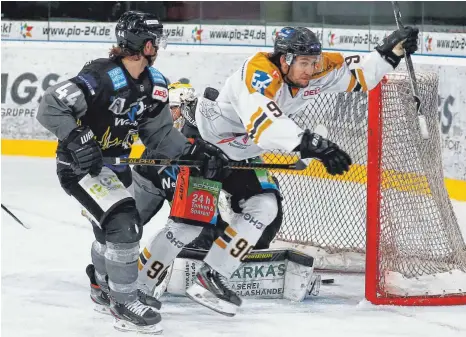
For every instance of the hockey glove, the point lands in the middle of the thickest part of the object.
(394, 45)
(214, 159)
(84, 150)
(335, 160)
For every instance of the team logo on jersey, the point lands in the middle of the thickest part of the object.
(132, 112)
(160, 93)
(117, 106)
(135, 110)
(260, 81)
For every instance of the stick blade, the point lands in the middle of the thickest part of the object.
(15, 218)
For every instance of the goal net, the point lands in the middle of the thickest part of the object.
(392, 206)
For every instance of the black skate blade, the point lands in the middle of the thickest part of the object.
(201, 295)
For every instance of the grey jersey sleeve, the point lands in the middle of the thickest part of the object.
(60, 107)
(158, 134)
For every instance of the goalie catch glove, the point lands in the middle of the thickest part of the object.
(335, 160)
(394, 45)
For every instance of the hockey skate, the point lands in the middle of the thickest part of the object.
(136, 316)
(102, 300)
(98, 296)
(213, 291)
(149, 300)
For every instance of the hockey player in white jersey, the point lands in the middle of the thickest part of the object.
(250, 116)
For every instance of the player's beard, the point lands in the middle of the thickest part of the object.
(151, 59)
(293, 84)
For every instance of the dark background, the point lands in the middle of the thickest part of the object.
(448, 16)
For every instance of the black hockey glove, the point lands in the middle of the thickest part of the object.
(84, 150)
(393, 46)
(335, 160)
(214, 159)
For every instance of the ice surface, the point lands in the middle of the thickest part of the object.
(45, 289)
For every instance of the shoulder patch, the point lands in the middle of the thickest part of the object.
(260, 81)
(156, 76)
(118, 78)
(262, 76)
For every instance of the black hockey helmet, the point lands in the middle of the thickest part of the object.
(135, 28)
(295, 41)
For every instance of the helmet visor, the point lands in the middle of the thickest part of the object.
(308, 64)
(160, 41)
(155, 29)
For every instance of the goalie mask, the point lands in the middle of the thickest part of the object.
(182, 97)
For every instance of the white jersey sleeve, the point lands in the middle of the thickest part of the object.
(362, 73)
(266, 123)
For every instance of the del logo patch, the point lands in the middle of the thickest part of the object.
(160, 93)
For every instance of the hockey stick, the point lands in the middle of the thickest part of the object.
(412, 77)
(14, 217)
(299, 165)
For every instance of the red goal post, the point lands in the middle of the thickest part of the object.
(390, 215)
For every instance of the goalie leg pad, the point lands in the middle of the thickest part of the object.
(243, 233)
(160, 252)
(298, 279)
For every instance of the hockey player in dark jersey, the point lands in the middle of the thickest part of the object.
(96, 114)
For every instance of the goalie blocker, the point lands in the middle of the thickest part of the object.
(268, 273)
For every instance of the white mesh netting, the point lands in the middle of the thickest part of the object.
(326, 216)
